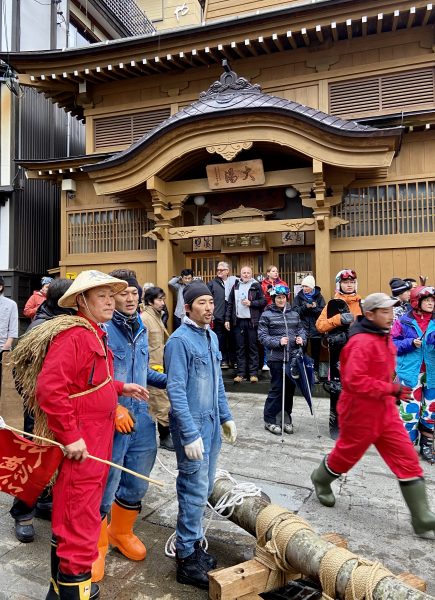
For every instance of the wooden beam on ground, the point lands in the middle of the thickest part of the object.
(235, 582)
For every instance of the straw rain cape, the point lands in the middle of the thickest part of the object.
(28, 358)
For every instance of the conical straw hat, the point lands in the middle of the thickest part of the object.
(87, 280)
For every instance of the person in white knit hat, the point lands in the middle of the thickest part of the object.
(309, 303)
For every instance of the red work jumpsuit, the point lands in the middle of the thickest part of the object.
(76, 362)
(367, 408)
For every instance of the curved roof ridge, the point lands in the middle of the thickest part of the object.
(233, 93)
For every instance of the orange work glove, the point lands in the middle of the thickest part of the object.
(124, 420)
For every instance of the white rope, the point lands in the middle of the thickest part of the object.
(225, 504)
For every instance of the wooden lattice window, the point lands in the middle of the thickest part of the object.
(395, 92)
(113, 230)
(387, 209)
(120, 130)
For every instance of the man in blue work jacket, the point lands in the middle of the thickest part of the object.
(134, 444)
(199, 408)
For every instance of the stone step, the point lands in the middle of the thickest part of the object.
(262, 387)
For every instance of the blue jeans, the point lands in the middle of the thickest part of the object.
(273, 404)
(136, 452)
(194, 483)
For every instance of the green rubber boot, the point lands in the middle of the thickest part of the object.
(415, 496)
(322, 478)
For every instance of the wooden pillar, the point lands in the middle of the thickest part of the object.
(323, 252)
(166, 209)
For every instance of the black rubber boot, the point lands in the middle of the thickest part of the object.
(44, 506)
(192, 571)
(77, 587)
(53, 590)
(415, 496)
(322, 477)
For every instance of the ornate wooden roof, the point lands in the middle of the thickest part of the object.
(236, 95)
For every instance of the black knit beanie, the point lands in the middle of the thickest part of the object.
(194, 290)
(398, 286)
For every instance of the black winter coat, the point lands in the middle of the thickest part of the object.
(217, 290)
(275, 324)
(255, 296)
(308, 315)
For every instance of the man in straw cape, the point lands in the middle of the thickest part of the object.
(78, 396)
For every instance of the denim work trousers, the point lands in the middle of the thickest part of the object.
(246, 348)
(136, 451)
(194, 483)
(273, 404)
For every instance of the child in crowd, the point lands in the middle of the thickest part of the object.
(309, 303)
(414, 337)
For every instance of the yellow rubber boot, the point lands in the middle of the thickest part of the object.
(121, 534)
(103, 547)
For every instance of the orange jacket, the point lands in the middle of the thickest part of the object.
(324, 325)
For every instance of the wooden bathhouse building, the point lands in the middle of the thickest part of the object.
(300, 134)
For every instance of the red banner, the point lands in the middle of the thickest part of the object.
(25, 467)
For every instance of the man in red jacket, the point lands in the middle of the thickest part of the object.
(368, 399)
(76, 391)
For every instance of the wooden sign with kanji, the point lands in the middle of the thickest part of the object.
(235, 174)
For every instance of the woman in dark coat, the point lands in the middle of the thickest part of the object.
(309, 303)
(280, 331)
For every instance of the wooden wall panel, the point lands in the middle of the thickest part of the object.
(376, 267)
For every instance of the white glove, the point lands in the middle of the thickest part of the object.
(229, 431)
(194, 451)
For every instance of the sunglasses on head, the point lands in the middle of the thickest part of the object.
(426, 292)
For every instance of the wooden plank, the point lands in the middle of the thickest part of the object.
(336, 539)
(413, 581)
(237, 581)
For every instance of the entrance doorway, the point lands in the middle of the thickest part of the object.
(292, 261)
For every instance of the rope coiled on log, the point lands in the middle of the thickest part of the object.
(283, 526)
(272, 553)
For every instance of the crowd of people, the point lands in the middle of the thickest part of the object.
(114, 380)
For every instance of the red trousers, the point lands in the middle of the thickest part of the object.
(77, 496)
(364, 422)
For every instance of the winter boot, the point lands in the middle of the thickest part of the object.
(77, 587)
(103, 547)
(426, 448)
(322, 477)
(192, 570)
(415, 496)
(121, 533)
(24, 530)
(53, 590)
(165, 437)
(207, 560)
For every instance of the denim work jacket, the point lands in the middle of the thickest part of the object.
(131, 353)
(195, 387)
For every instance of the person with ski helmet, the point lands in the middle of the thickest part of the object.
(281, 332)
(414, 337)
(334, 321)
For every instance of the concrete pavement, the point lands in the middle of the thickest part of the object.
(369, 512)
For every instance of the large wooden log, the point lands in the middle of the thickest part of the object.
(306, 550)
